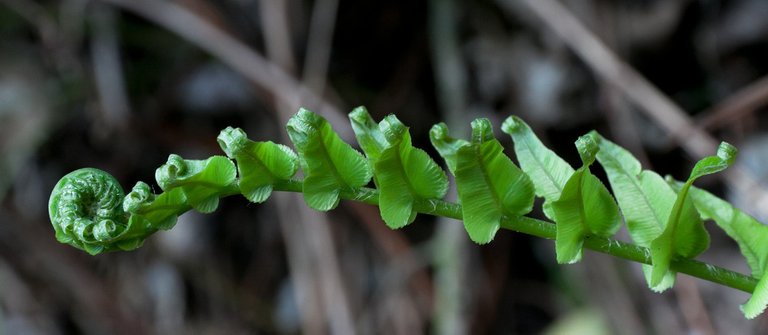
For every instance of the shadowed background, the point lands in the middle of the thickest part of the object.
(121, 84)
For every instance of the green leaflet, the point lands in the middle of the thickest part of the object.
(260, 164)
(758, 301)
(546, 169)
(584, 207)
(368, 133)
(201, 181)
(750, 234)
(684, 235)
(404, 174)
(644, 198)
(160, 210)
(136, 233)
(330, 166)
(489, 185)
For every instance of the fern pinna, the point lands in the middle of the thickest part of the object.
(89, 210)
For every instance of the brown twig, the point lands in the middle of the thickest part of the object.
(300, 264)
(692, 306)
(234, 53)
(618, 112)
(613, 70)
(107, 67)
(321, 27)
(35, 14)
(403, 259)
(736, 106)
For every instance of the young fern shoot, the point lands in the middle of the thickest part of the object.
(86, 212)
(89, 210)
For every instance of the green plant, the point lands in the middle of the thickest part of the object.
(89, 210)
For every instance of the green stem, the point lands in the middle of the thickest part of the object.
(546, 229)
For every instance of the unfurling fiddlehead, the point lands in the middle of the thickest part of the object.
(86, 210)
(89, 210)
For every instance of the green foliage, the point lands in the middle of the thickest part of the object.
(403, 174)
(750, 234)
(644, 198)
(330, 166)
(490, 186)
(546, 169)
(684, 234)
(89, 210)
(201, 181)
(259, 164)
(584, 207)
(161, 210)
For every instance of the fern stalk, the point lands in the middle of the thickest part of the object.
(546, 229)
(90, 211)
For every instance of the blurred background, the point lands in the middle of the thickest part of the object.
(120, 84)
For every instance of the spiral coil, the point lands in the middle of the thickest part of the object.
(86, 210)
